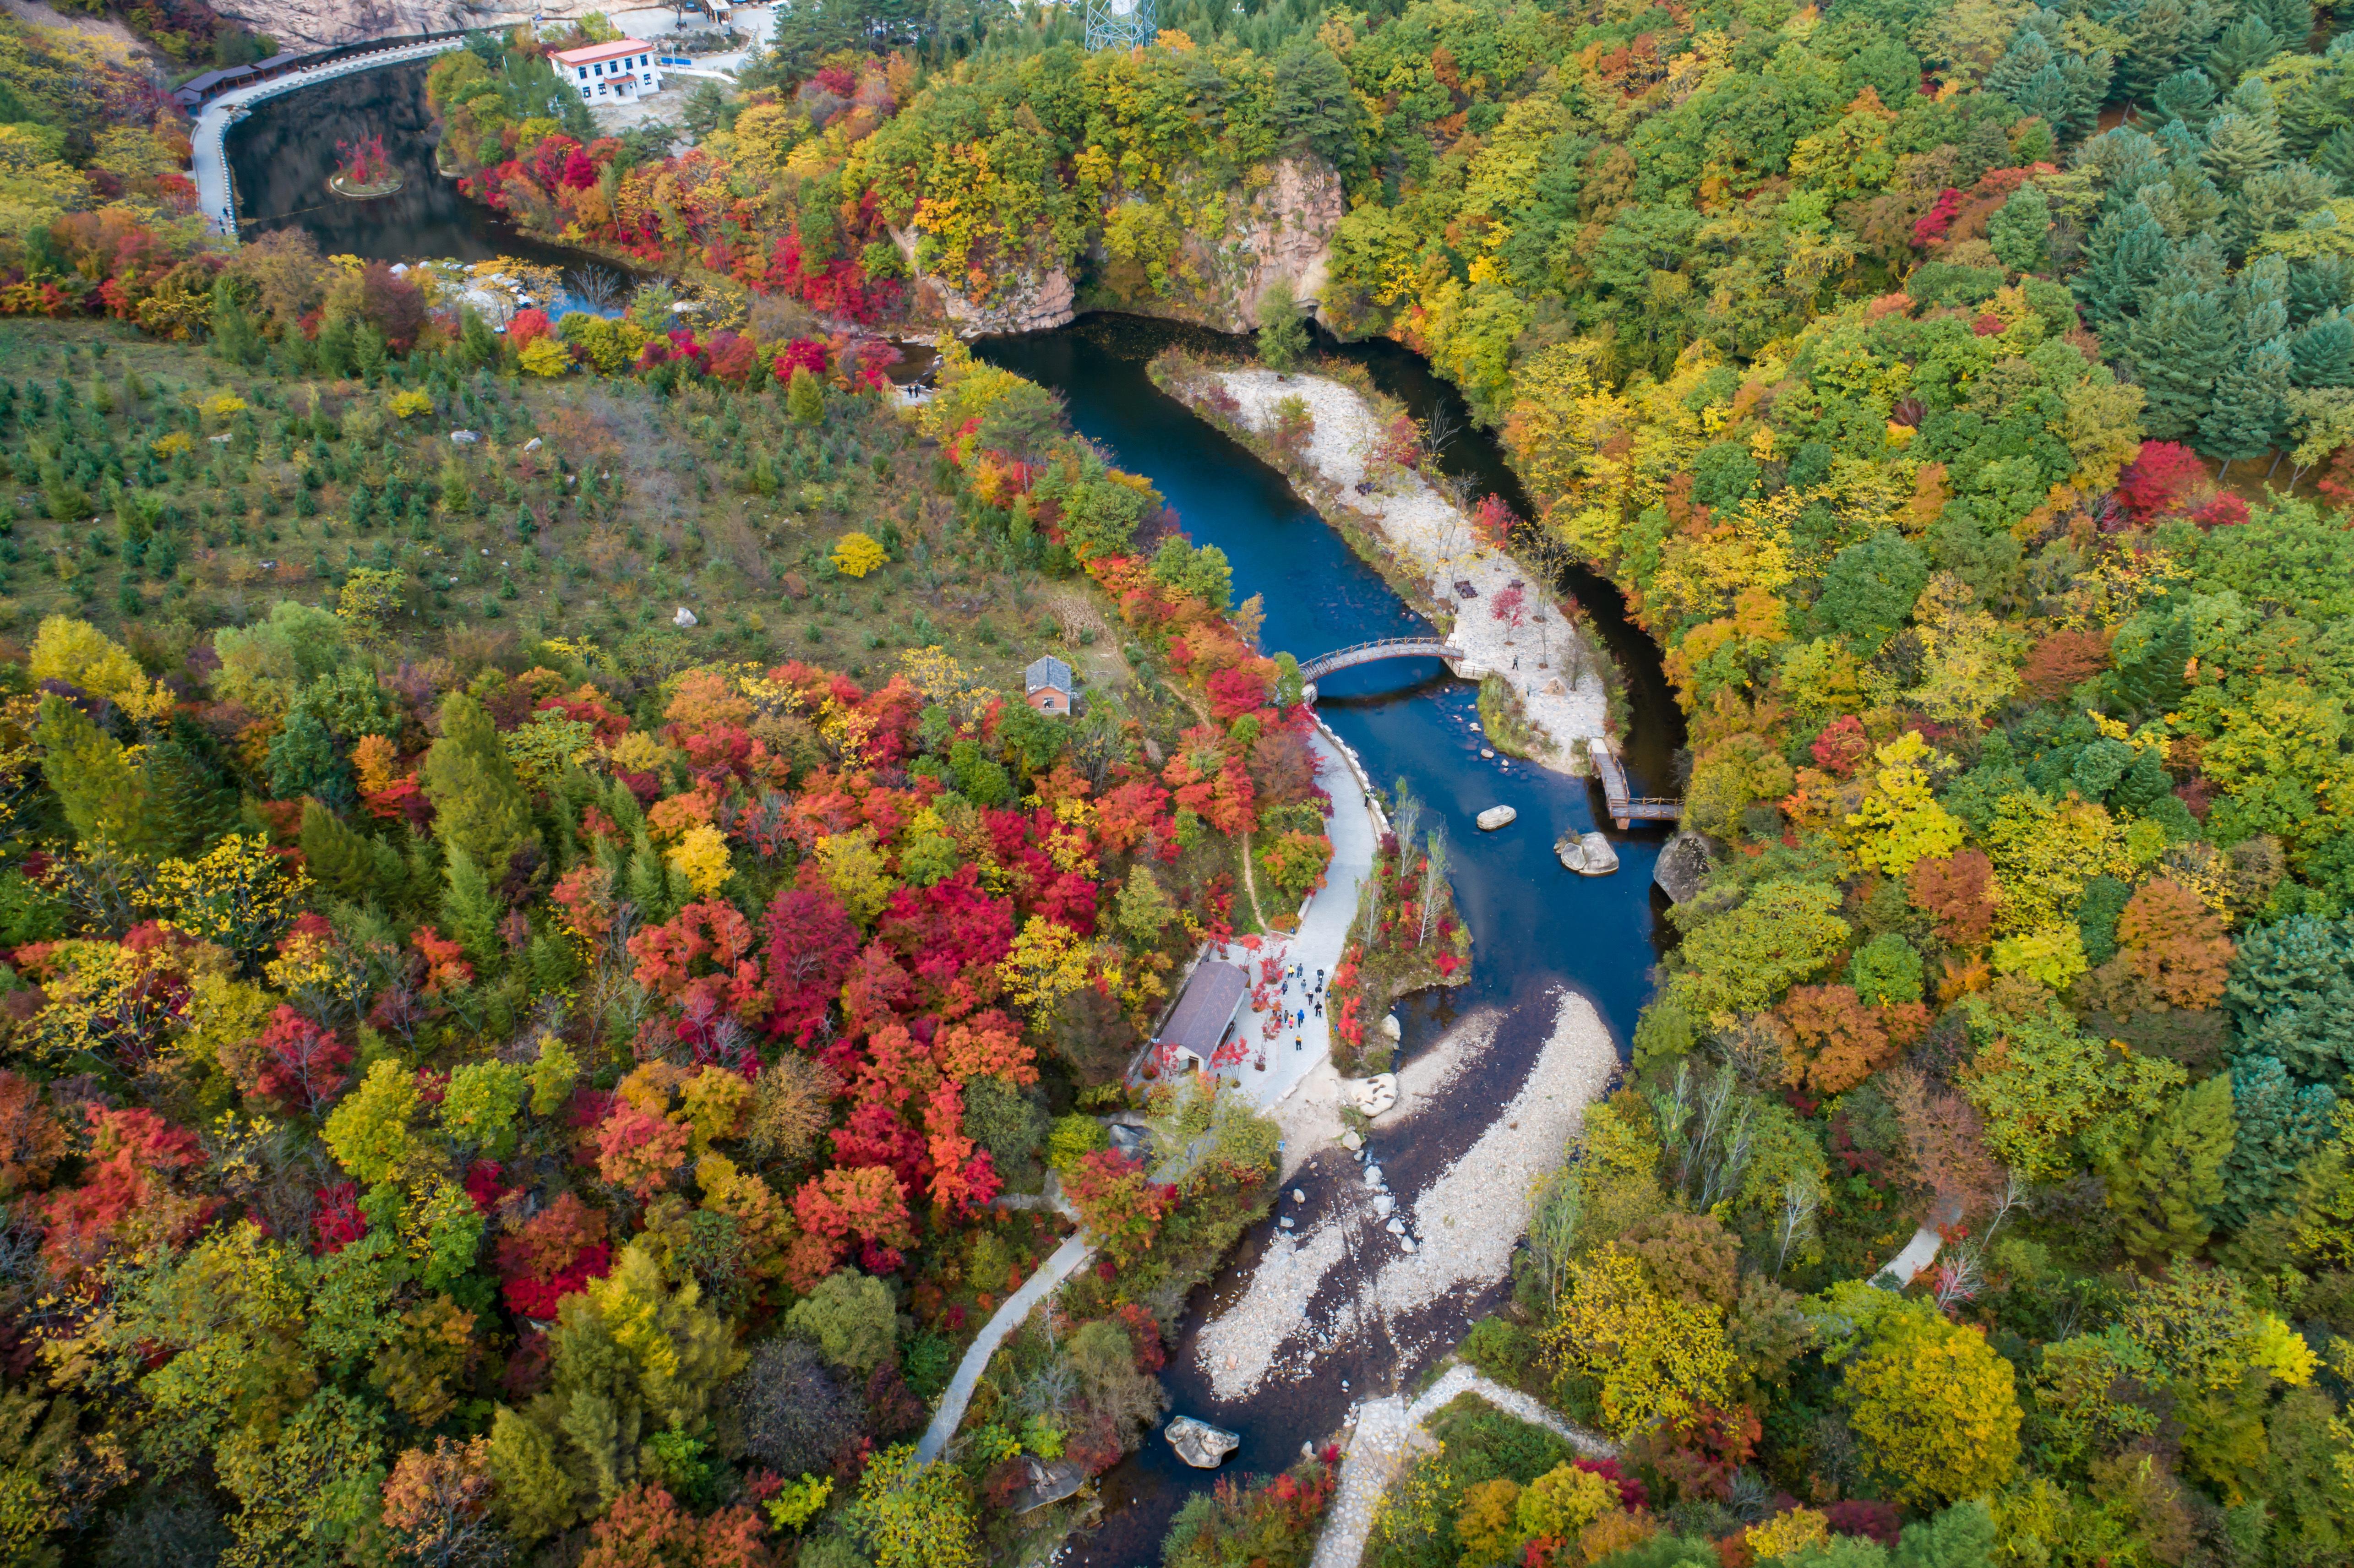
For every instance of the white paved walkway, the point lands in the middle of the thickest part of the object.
(1390, 1431)
(1351, 827)
(1060, 1265)
(214, 196)
(1323, 934)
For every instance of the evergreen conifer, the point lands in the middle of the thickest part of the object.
(2162, 1191)
(472, 785)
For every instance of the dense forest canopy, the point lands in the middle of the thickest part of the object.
(444, 1053)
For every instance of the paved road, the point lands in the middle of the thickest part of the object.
(215, 196)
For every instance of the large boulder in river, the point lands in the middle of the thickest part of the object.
(1198, 1442)
(1684, 864)
(1496, 817)
(1588, 854)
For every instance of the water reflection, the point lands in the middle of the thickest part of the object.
(283, 152)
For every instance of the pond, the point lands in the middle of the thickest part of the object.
(281, 154)
(1536, 927)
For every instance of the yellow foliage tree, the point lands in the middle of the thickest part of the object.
(1901, 820)
(702, 857)
(857, 555)
(1788, 1533)
(1936, 1409)
(853, 868)
(1486, 1522)
(1563, 1501)
(1049, 961)
(546, 356)
(74, 651)
(1654, 1356)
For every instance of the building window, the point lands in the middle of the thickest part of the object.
(584, 92)
(584, 72)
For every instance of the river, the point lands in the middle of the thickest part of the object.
(1536, 929)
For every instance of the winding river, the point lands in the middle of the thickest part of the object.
(1536, 927)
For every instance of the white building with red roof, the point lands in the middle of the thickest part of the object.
(625, 68)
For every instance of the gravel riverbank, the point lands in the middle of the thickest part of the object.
(1465, 1220)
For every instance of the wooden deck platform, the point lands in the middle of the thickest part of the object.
(1627, 809)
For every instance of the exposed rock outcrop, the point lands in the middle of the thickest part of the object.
(1285, 231)
(1279, 228)
(1033, 303)
(1496, 817)
(1198, 1442)
(1684, 864)
(1588, 854)
(300, 25)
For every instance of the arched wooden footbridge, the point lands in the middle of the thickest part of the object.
(1372, 652)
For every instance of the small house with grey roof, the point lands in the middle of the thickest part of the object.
(1047, 686)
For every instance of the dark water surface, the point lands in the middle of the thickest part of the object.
(283, 152)
(1536, 929)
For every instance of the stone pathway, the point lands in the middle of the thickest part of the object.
(1390, 1431)
(1060, 1265)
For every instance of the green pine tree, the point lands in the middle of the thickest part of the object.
(2323, 283)
(477, 345)
(2188, 96)
(350, 865)
(2244, 46)
(190, 807)
(2183, 342)
(2280, 1127)
(2018, 228)
(1283, 332)
(2251, 406)
(2158, 32)
(2322, 355)
(471, 912)
(804, 398)
(305, 760)
(2238, 147)
(105, 799)
(2151, 681)
(2126, 255)
(234, 337)
(2162, 1191)
(482, 808)
(2334, 156)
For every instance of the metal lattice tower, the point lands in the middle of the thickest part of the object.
(1121, 24)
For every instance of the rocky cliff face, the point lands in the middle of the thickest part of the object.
(1280, 226)
(1034, 300)
(1283, 230)
(300, 25)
